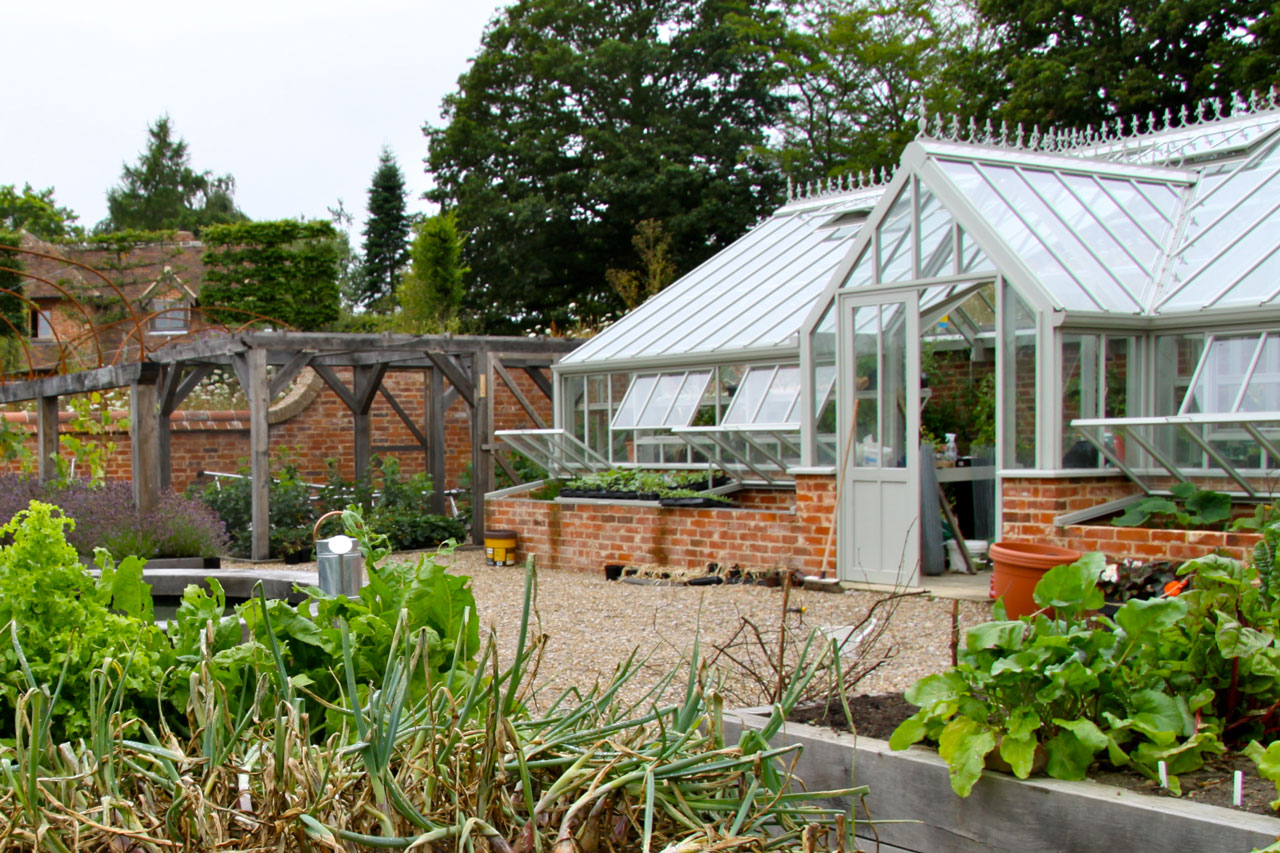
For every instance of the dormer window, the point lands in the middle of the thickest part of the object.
(169, 316)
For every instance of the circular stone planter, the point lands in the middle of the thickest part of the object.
(1016, 569)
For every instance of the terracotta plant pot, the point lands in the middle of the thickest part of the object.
(1016, 569)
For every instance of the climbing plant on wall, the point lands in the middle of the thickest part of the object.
(286, 271)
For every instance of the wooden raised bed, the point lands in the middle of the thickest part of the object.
(1003, 813)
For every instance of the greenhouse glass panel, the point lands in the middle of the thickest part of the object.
(599, 412)
(823, 362)
(972, 259)
(1175, 367)
(750, 394)
(937, 236)
(1262, 394)
(1230, 255)
(770, 396)
(661, 400)
(862, 272)
(1221, 375)
(575, 405)
(1080, 395)
(895, 240)
(619, 385)
(780, 400)
(1019, 392)
(628, 414)
(1074, 231)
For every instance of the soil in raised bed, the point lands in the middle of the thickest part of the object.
(877, 715)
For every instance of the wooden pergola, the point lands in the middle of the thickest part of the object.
(469, 365)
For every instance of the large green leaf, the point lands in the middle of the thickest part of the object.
(1236, 641)
(1208, 507)
(1159, 716)
(123, 584)
(964, 745)
(1072, 749)
(909, 731)
(996, 635)
(935, 688)
(1268, 763)
(1142, 617)
(1073, 587)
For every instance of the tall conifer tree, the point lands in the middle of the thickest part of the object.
(386, 234)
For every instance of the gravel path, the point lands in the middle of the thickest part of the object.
(592, 625)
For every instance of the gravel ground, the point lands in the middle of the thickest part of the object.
(592, 624)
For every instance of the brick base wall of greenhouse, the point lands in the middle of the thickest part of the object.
(1032, 503)
(767, 528)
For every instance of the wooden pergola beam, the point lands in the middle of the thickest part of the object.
(83, 382)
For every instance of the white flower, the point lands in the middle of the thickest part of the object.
(1111, 573)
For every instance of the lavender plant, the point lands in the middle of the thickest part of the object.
(106, 518)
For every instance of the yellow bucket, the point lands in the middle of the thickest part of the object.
(500, 547)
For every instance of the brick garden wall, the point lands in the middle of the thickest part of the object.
(219, 440)
(781, 528)
(1032, 503)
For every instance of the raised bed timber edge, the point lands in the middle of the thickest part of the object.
(1038, 815)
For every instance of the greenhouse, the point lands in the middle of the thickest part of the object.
(1084, 307)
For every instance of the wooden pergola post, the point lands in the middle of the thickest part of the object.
(481, 435)
(144, 441)
(47, 437)
(435, 429)
(251, 370)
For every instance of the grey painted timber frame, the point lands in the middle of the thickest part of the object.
(910, 793)
(158, 386)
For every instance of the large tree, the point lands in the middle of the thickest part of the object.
(386, 234)
(580, 119)
(36, 212)
(1072, 63)
(162, 190)
(859, 71)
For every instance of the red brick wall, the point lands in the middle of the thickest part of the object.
(790, 533)
(1032, 503)
(219, 440)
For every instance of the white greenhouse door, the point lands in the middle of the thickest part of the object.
(879, 533)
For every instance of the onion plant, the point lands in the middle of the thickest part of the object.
(419, 759)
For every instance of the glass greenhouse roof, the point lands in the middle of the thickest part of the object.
(1089, 234)
(755, 294)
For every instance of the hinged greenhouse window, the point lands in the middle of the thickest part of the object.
(556, 450)
(657, 400)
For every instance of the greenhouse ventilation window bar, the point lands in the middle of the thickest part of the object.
(760, 430)
(556, 450)
(1228, 422)
(1244, 447)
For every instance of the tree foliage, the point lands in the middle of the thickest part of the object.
(859, 70)
(285, 271)
(653, 246)
(579, 118)
(36, 212)
(431, 293)
(1072, 64)
(162, 190)
(386, 234)
(12, 307)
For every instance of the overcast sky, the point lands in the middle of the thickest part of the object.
(295, 99)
